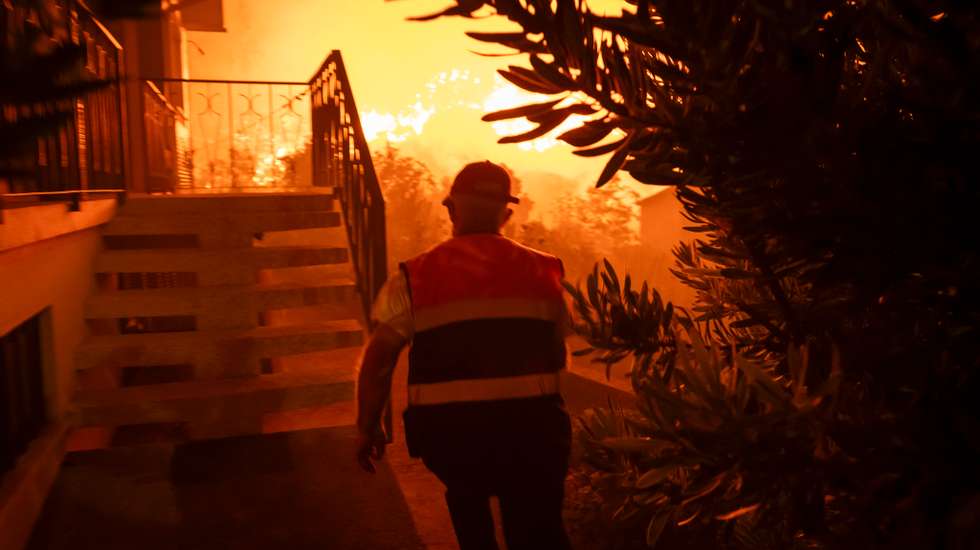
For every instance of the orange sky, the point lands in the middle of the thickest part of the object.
(416, 83)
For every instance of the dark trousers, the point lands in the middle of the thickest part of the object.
(520, 456)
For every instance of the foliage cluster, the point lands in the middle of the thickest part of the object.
(414, 218)
(587, 226)
(582, 228)
(823, 389)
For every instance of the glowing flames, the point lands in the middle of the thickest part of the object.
(505, 96)
(458, 89)
(396, 127)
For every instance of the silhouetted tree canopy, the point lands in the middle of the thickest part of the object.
(823, 390)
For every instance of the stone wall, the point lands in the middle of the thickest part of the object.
(46, 257)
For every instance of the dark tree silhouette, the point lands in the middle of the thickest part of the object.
(823, 390)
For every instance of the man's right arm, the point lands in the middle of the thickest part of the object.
(374, 391)
(393, 316)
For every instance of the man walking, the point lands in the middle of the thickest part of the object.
(485, 317)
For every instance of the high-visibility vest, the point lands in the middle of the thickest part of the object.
(487, 314)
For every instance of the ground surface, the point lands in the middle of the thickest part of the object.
(297, 490)
(288, 489)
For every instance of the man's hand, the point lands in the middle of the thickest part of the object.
(370, 447)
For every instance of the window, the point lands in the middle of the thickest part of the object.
(23, 412)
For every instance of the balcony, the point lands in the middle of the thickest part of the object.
(223, 136)
(84, 157)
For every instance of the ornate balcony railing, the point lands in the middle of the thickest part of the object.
(280, 136)
(86, 152)
(242, 135)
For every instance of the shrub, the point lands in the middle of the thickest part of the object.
(823, 154)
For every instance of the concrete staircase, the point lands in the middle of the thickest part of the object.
(214, 311)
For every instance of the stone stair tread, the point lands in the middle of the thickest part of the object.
(188, 300)
(196, 401)
(200, 389)
(197, 259)
(309, 199)
(204, 222)
(240, 346)
(163, 338)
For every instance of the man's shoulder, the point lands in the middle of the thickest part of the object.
(457, 245)
(426, 252)
(539, 254)
(532, 250)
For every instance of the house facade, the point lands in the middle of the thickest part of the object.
(163, 256)
(661, 230)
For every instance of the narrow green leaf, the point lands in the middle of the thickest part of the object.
(770, 390)
(563, 113)
(505, 38)
(631, 444)
(532, 134)
(587, 134)
(616, 161)
(592, 283)
(653, 477)
(600, 149)
(656, 527)
(529, 80)
(611, 271)
(522, 111)
(738, 512)
(551, 72)
(705, 488)
(466, 9)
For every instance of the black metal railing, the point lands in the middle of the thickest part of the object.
(342, 160)
(86, 152)
(23, 411)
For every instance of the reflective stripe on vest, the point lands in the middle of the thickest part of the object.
(484, 389)
(500, 308)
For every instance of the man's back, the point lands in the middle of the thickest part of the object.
(483, 265)
(485, 319)
(487, 313)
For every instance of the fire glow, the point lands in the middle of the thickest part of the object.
(458, 89)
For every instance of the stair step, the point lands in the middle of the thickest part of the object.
(173, 348)
(195, 300)
(217, 203)
(220, 260)
(203, 400)
(221, 222)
